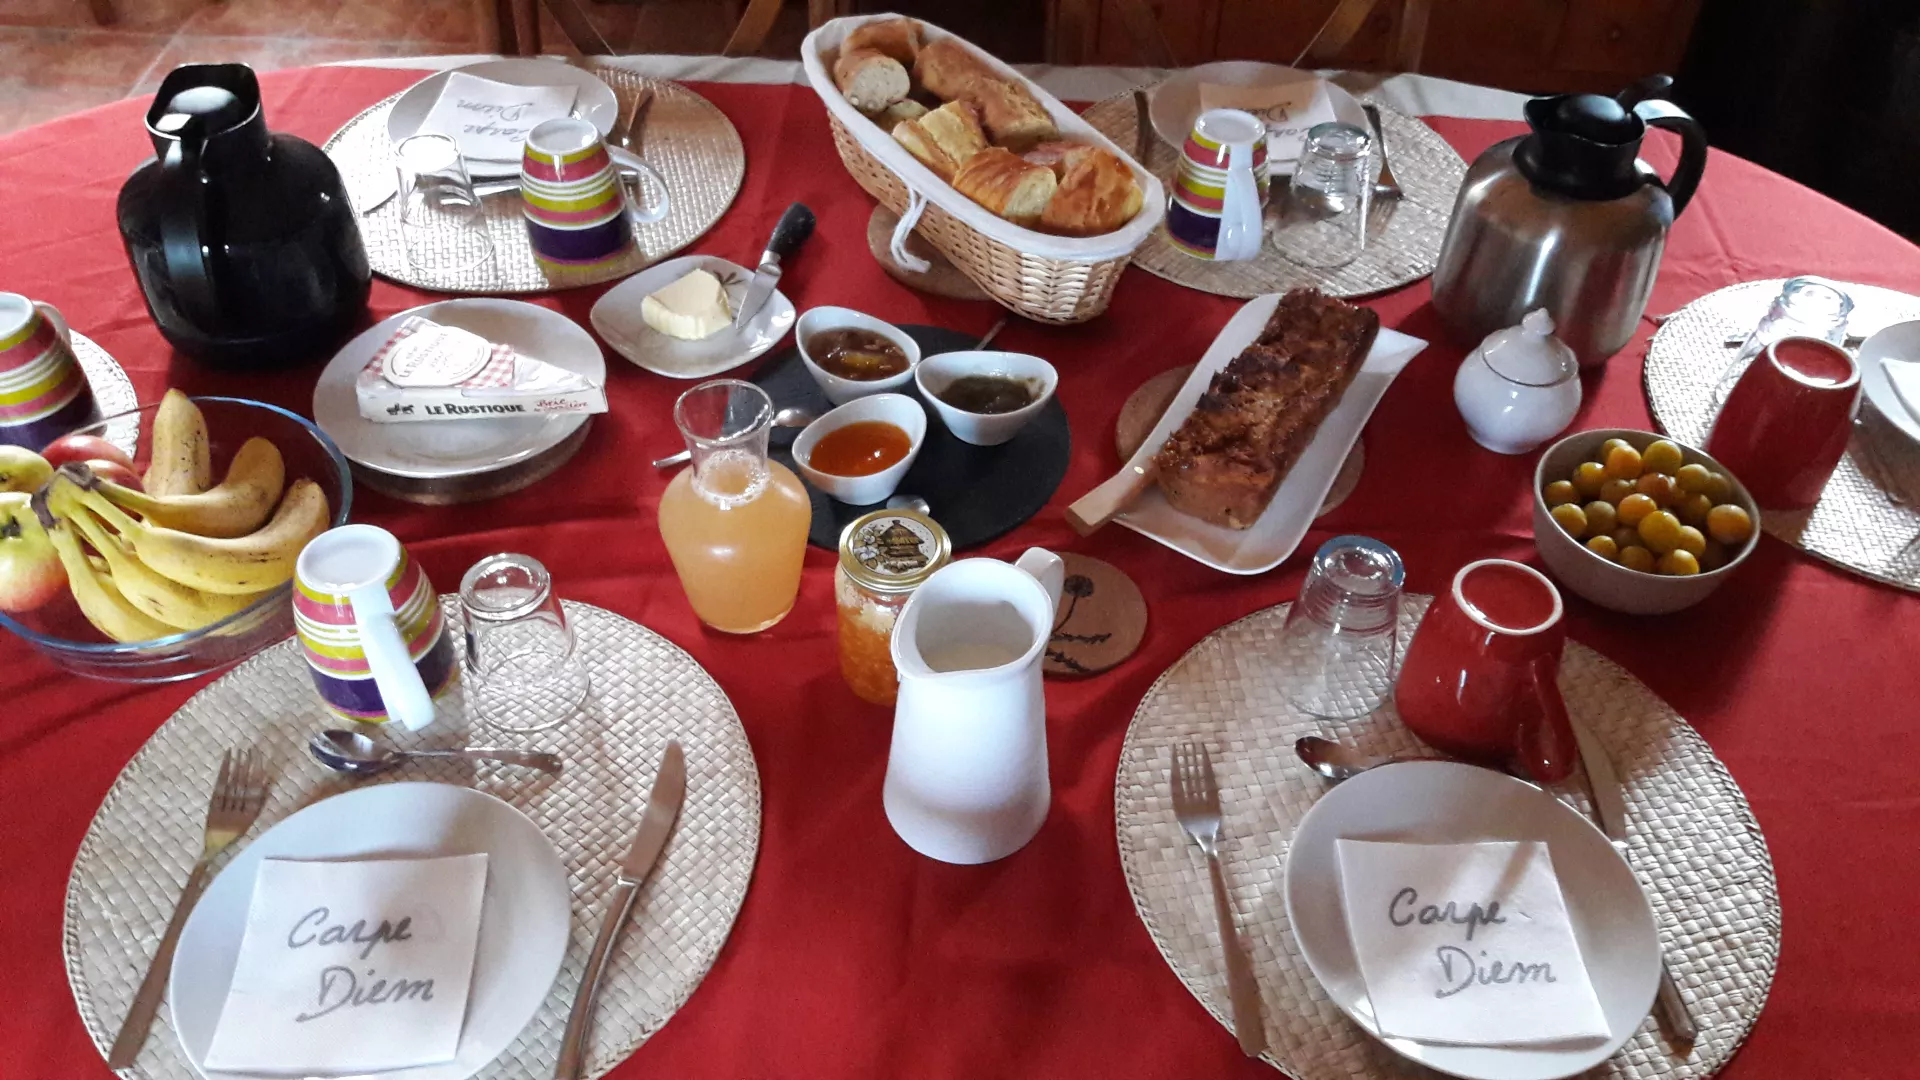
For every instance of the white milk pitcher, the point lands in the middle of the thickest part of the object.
(967, 774)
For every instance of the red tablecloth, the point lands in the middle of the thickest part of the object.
(854, 956)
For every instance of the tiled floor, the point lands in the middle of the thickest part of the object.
(55, 60)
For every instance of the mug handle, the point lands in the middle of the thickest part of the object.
(636, 213)
(1544, 741)
(401, 688)
(1240, 232)
(59, 321)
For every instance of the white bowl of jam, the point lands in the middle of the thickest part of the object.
(859, 452)
(985, 398)
(852, 354)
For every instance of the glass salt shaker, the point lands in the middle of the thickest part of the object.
(523, 671)
(1338, 647)
(884, 556)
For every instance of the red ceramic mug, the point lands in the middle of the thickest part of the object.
(1785, 424)
(1479, 681)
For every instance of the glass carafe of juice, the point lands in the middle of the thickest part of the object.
(735, 524)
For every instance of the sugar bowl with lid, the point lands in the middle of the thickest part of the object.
(1520, 388)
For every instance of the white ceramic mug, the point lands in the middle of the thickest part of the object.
(967, 771)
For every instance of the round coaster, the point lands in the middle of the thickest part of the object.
(1403, 235)
(646, 691)
(685, 138)
(1143, 408)
(1101, 621)
(941, 279)
(1687, 823)
(1857, 524)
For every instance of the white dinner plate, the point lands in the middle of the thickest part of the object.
(429, 450)
(1176, 102)
(1286, 520)
(1444, 802)
(1897, 343)
(524, 915)
(617, 319)
(596, 101)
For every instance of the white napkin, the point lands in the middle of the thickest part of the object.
(490, 120)
(1288, 109)
(1444, 964)
(349, 967)
(1904, 377)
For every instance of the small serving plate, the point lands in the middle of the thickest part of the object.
(1897, 344)
(616, 318)
(899, 410)
(595, 101)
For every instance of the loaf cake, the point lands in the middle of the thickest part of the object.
(1225, 462)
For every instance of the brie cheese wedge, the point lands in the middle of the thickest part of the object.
(691, 308)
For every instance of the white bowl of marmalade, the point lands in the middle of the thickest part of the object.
(851, 354)
(986, 397)
(859, 452)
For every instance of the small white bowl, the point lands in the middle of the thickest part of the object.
(839, 390)
(897, 409)
(936, 373)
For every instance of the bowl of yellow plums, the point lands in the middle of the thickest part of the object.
(1639, 523)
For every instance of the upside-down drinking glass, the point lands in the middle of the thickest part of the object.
(1323, 220)
(441, 222)
(1806, 307)
(1338, 645)
(524, 673)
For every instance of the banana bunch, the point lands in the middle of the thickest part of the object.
(180, 555)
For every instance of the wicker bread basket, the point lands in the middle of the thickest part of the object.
(1056, 279)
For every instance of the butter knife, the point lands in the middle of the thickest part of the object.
(656, 824)
(1610, 813)
(795, 225)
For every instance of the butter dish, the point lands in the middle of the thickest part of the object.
(619, 321)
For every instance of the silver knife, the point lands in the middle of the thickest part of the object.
(663, 806)
(1610, 813)
(793, 229)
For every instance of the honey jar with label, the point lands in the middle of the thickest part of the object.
(884, 556)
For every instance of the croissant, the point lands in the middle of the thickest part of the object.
(999, 180)
(1096, 194)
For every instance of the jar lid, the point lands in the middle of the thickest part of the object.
(1529, 354)
(893, 551)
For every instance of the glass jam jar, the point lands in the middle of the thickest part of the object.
(884, 556)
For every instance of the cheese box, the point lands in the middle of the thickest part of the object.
(432, 372)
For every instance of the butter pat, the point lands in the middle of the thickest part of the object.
(692, 308)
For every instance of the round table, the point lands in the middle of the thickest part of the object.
(855, 957)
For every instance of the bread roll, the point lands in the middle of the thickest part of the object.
(943, 139)
(1096, 194)
(899, 111)
(1013, 117)
(999, 180)
(870, 79)
(1053, 154)
(898, 38)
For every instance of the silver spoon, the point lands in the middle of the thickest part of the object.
(348, 752)
(910, 502)
(790, 417)
(1336, 761)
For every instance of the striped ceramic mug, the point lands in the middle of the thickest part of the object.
(43, 392)
(370, 627)
(578, 211)
(1215, 208)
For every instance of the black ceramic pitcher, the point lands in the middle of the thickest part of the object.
(242, 240)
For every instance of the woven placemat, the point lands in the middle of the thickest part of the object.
(645, 691)
(1695, 845)
(1403, 235)
(685, 137)
(1857, 524)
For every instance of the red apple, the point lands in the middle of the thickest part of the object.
(116, 472)
(22, 470)
(30, 570)
(84, 448)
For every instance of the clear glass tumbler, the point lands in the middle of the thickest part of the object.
(441, 221)
(1806, 307)
(1323, 219)
(523, 673)
(1339, 644)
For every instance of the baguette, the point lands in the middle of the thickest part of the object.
(1226, 461)
(898, 38)
(899, 111)
(1096, 194)
(1012, 116)
(870, 79)
(999, 180)
(943, 139)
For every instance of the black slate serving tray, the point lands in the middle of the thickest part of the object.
(976, 493)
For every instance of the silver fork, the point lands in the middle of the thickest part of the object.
(238, 794)
(1196, 803)
(1386, 187)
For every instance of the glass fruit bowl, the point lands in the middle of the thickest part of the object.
(62, 633)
